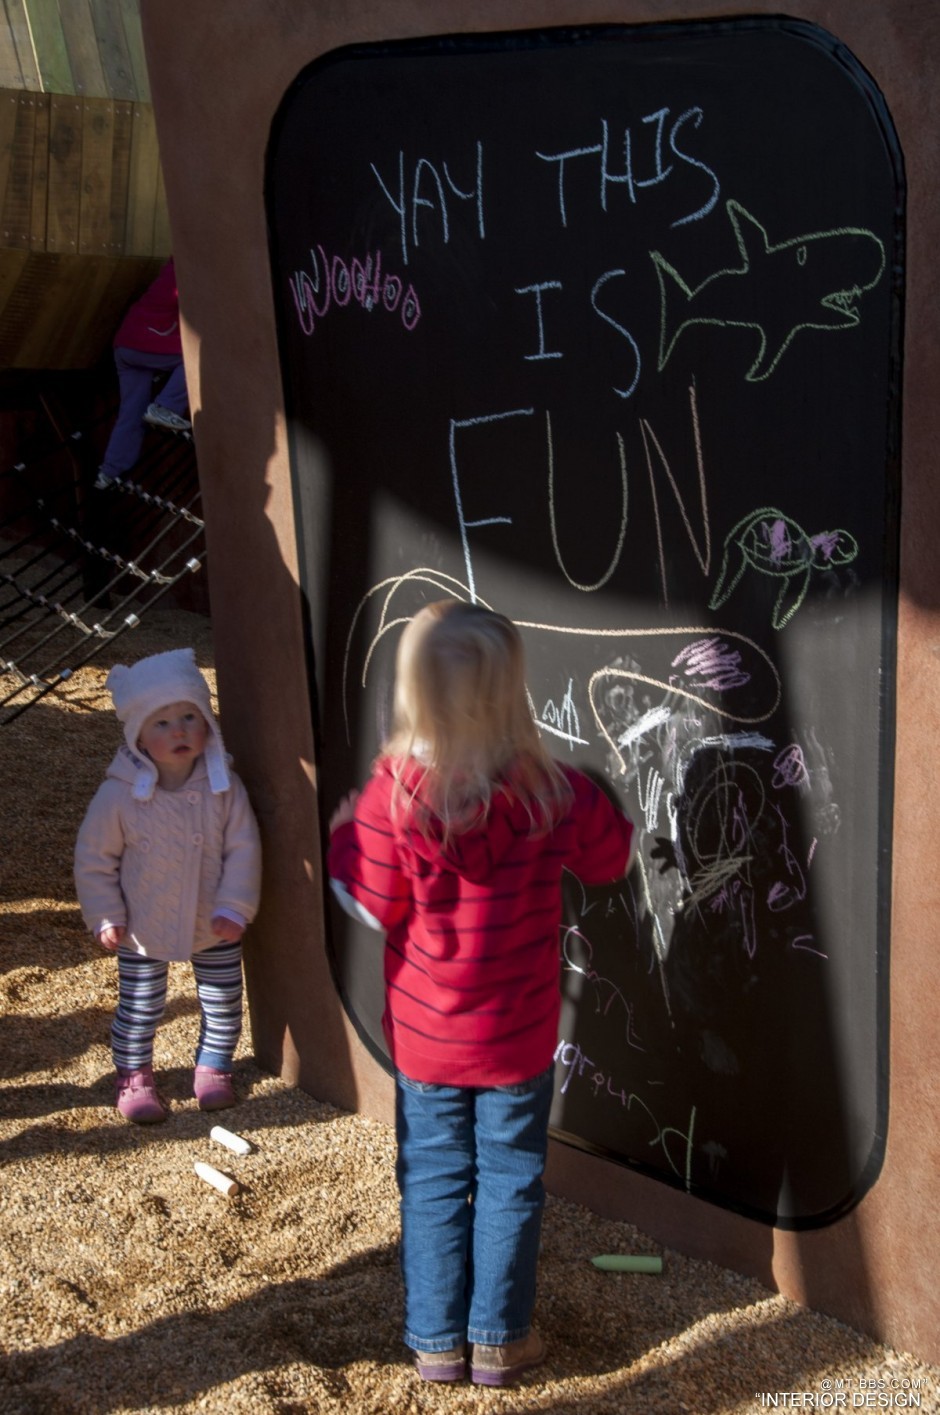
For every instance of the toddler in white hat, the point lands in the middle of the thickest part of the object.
(168, 866)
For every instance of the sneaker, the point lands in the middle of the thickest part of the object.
(442, 1365)
(165, 418)
(102, 483)
(136, 1097)
(503, 1365)
(213, 1088)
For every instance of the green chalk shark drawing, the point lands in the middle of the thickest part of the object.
(813, 281)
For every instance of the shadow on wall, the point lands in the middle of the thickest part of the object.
(267, 717)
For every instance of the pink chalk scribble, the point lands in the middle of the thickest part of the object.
(790, 767)
(711, 663)
(778, 540)
(828, 543)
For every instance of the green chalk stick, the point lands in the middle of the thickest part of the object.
(628, 1263)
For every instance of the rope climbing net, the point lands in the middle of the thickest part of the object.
(80, 566)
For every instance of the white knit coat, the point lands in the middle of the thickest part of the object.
(162, 867)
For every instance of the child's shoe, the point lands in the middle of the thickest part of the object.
(136, 1097)
(213, 1088)
(158, 416)
(442, 1365)
(503, 1365)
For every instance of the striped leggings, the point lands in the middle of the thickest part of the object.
(142, 999)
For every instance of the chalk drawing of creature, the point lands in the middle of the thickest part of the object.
(813, 281)
(775, 545)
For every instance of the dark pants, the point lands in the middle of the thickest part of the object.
(135, 371)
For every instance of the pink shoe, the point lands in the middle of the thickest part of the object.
(136, 1097)
(213, 1088)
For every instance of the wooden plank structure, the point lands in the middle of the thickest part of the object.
(873, 1268)
(83, 216)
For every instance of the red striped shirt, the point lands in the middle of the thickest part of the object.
(472, 964)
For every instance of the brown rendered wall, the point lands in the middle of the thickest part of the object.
(218, 72)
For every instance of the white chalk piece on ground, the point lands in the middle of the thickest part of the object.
(223, 1182)
(230, 1141)
(628, 1263)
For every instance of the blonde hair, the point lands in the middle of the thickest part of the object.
(462, 711)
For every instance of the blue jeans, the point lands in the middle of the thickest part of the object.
(469, 1170)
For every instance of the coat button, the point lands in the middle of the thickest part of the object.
(192, 797)
(144, 846)
(197, 838)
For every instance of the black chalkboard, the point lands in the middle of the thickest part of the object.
(601, 327)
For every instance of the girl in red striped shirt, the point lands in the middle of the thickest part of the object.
(455, 849)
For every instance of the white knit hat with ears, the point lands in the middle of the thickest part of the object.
(154, 683)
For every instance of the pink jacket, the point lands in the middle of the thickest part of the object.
(161, 867)
(472, 965)
(152, 324)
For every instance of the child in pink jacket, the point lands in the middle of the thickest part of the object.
(148, 343)
(168, 867)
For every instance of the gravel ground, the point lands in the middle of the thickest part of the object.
(129, 1285)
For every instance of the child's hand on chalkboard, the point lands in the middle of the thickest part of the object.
(664, 853)
(344, 812)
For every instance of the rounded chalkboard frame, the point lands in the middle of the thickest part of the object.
(310, 544)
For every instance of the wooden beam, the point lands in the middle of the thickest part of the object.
(11, 268)
(11, 73)
(133, 34)
(94, 220)
(52, 57)
(9, 111)
(120, 175)
(142, 183)
(81, 45)
(17, 196)
(116, 62)
(39, 195)
(21, 39)
(65, 175)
